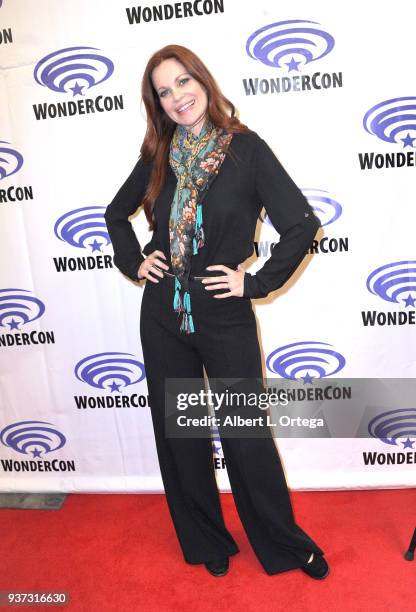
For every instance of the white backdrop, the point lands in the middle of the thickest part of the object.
(67, 422)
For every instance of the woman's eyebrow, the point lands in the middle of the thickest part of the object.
(178, 77)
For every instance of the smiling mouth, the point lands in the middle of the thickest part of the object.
(185, 106)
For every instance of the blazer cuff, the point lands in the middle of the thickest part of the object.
(252, 288)
(132, 269)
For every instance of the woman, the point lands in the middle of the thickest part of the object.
(203, 178)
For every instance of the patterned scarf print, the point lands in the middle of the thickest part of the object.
(195, 161)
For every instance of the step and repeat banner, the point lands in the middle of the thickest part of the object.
(332, 94)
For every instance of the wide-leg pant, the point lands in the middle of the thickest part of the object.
(226, 344)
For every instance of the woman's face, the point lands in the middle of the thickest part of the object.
(182, 97)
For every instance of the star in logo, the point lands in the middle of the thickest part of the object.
(409, 301)
(114, 386)
(408, 141)
(13, 324)
(292, 65)
(307, 379)
(217, 448)
(96, 246)
(408, 443)
(36, 453)
(77, 89)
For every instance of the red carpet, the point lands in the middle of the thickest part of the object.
(119, 552)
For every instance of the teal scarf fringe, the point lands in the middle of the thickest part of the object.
(182, 305)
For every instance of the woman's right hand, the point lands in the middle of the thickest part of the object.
(149, 266)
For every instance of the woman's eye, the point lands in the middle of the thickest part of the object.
(163, 93)
(185, 80)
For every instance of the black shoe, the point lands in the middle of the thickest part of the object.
(218, 568)
(318, 568)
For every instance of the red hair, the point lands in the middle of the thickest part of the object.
(160, 127)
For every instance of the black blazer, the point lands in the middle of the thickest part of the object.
(250, 177)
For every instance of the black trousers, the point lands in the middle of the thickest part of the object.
(226, 344)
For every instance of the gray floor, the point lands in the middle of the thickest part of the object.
(32, 501)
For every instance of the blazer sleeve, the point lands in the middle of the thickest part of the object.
(291, 215)
(127, 252)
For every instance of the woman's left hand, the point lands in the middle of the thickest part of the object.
(233, 280)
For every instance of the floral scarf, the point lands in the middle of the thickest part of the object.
(195, 161)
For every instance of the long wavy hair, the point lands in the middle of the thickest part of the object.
(160, 127)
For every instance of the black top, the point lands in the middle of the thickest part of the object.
(250, 177)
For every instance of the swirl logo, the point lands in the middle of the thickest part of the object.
(216, 441)
(324, 206)
(394, 424)
(295, 39)
(24, 436)
(392, 119)
(298, 360)
(17, 308)
(80, 67)
(393, 280)
(82, 224)
(264, 218)
(10, 160)
(121, 369)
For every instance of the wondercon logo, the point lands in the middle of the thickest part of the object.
(110, 371)
(305, 360)
(216, 441)
(83, 228)
(73, 69)
(394, 424)
(32, 438)
(10, 160)
(393, 121)
(18, 307)
(393, 281)
(291, 43)
(326, 208)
